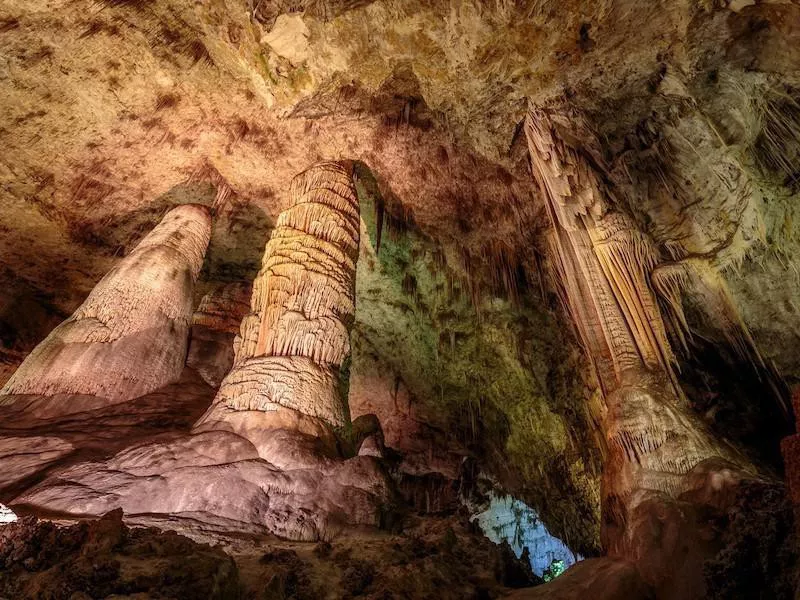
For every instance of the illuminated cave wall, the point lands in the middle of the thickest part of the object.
(494, 378)
(508, 520)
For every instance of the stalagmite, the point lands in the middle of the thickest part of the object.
(265, 454)
(90, 387)
(297, 337)
(130, 335)
(657, 448)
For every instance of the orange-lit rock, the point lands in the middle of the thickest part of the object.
(264, 456)
(297, 334)
(662, 463)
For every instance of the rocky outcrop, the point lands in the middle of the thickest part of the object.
(104, 558)
(214, 327)
(597, 578)
(660, 458)
(130, 336)
(264, 456)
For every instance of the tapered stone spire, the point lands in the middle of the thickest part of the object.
(130, 335)
(295, 340)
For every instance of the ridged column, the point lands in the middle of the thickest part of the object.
(604, 262)
(292, 345)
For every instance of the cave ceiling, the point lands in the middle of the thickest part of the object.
(109, 105)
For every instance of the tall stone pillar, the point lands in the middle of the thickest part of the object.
(264, 455)
(289, 355)
(130, 335)
(657, 449)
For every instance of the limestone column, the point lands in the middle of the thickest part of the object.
(130, 336)
(654, 440)
(291, 348)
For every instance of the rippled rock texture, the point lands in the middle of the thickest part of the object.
(109, 375)
(582, 283)
(130, 336)
(264, 457)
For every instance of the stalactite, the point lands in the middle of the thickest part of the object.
(668, 282)
(604, 263)
(602, 259)
(130, 336)
(701, 278)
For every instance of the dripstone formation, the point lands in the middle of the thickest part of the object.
(297, 335)
(131, 335)
(264, 456)
(91, 385)
(351, 288)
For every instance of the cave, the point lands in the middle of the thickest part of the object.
(400, 299)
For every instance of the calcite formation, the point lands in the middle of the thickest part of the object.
(265, 455)
(295, 340)
(130, 336)
(657, 448)
(665, 139)
(297, 336)
(101, 379)
(214, 327)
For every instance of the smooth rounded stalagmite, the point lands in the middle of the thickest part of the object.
(130, 336)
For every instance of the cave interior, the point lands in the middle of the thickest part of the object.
(400, 299)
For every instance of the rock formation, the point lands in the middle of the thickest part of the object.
(658, 450)
(264, 456)
(662, 214)
(214, 327)
(130, 336)
(104, 558)
(102, 379)
(295, 340)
